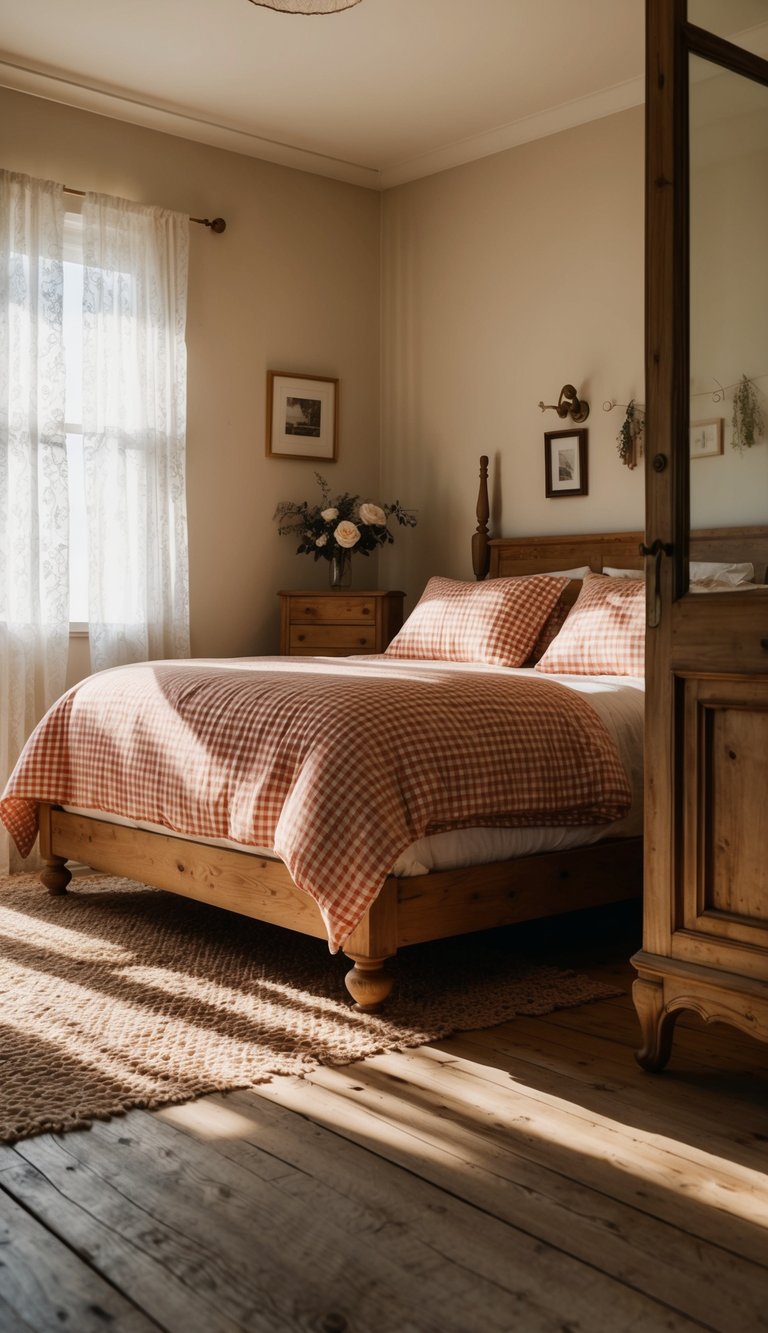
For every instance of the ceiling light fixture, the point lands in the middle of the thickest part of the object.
(307, 6)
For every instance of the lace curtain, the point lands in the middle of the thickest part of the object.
(133, 427)
(34, 517)
(134, 421)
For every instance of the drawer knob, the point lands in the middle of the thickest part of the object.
(366, 610)
(300, 637)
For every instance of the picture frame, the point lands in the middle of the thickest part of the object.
(565, 463)
(706, 438)
(302, 416)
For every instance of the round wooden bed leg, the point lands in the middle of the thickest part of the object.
(55, 876)
(368, 983)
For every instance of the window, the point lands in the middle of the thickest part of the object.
(102, 346)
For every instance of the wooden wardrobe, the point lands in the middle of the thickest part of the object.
(705, 944)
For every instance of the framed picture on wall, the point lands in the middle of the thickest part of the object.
(565, 463)
(302, 416)
(706, 438)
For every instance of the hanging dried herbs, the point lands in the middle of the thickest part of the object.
(629, 435)
(747, 416)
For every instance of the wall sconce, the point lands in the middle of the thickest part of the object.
(568, 405)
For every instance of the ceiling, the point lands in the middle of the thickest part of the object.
(382, 93)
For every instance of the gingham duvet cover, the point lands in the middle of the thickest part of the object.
(337, 764)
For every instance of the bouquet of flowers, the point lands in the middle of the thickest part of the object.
(339, 526)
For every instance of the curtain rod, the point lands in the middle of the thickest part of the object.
(215, 224)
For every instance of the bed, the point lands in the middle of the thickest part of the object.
(410, 907)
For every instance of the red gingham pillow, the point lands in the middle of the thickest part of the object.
(604, 635)
(495, 622)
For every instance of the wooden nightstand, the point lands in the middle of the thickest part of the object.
(338, 623)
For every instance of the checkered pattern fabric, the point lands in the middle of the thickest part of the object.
(495, 622)
(337, 764)
(604, 634)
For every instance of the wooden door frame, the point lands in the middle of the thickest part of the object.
(666, 361)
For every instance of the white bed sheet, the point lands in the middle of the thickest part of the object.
(619, 701)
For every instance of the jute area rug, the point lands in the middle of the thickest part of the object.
(119, 996)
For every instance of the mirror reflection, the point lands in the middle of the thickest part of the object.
(743, 22)
(728, 436)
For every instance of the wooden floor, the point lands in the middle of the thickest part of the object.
(529, 1177)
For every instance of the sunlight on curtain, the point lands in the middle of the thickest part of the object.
(134, 426)
(34, 578)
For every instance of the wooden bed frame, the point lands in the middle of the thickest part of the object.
(407, 911)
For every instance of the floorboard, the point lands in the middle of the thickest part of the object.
(44, 1284)
(527, 1177)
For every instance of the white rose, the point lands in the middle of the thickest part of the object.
(320, 541)
(329, 514)
(370, 513)
(347, 534)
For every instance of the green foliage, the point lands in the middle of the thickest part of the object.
(747, 416)
(317, 525)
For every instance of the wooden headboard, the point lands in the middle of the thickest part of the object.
(748, 543)
(539, 555)
(500, 556)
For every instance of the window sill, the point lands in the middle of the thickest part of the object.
(78, 629)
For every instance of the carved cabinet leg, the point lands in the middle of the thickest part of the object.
(55, 875)
(657, 1023)
(368, 983)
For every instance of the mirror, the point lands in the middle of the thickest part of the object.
(728, 437)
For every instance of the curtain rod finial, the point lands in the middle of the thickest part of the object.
(215, 224)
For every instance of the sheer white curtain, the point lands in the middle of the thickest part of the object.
(34, 514)
(134, 424)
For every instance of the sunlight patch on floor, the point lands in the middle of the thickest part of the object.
(447, 1114)
(208, 1120)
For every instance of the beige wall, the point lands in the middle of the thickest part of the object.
(499, 282)
(503, 280)
(293, 284)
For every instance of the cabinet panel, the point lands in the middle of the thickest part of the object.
(736, 858)
(722, 915)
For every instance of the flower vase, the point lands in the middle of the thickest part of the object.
(340, 570)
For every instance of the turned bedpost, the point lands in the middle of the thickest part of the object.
(368, 947)
(54, 874)
(480, 553)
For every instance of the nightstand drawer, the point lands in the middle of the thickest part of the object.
(342, 607)
(322, 638)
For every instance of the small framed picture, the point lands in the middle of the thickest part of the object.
(302, 416)
(565, 463)
(706, 438)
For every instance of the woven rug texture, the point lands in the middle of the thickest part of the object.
(118, 996)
